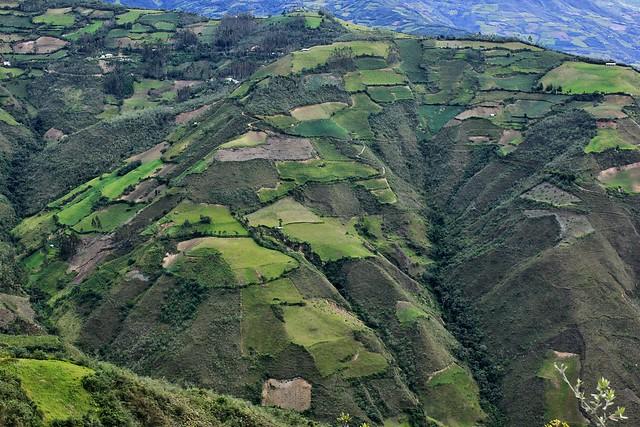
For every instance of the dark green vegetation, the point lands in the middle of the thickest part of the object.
(408, 228)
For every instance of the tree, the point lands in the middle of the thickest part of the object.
(154, 58)
(599, 407)
(119, 83)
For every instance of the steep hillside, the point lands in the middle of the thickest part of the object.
(591, 28)
(45, 382)
(314, 216)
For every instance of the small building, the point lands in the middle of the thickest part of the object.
(611, 64)
(6, 63)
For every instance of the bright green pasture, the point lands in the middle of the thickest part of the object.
(10, 73)
(266, 194)
(7, 118)
(283, 212)
(583, 77)
(249, 139)
(131, 16)
(116, 187)
(389, 93)
(559, 399)
(56, 17)
(331, 240)
(250, 263)
(262, 331)
(312, 22)
(318, 55)
(380, 189)
(357, 81)
(408, 313)
(316, 128)
(323, 171)
(327, 332)
(355, 119)
(110, 186)
(607, 139)
(201, 218)
(54, 386)
(317, 111)
(91, 28)
(453, 384)
(107, 219)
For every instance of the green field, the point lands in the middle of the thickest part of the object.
(436, 116)
(317, 111)
(250, 263)
(148, 93)
(356, 118)
(249, 139)
(262, 331)
(357, 81)
(312, 22)
(91, 28)
(54, 386)
(331, 240)
(323, 127)
(106, 220)
(608, 139)
(388, 94)
(190, 218)
(110, 186)
(318, 55)
(114, 189)
(370, 63)
(323, 171)
(10, 73)
(582, 77)
(559, 400)
(56, 18)
(626, 178)
(283, 212)
(327, 333)
(7, 118)
(408, 313)
(131, 16)
(380, 189)
(453, 384)
(267, 194)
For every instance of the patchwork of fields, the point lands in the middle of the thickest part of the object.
(280, 223)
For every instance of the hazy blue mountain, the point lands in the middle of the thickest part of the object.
(600, 28)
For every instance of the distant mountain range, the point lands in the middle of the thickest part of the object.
(597, 28)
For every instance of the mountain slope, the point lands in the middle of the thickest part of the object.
(591, 28)
(321, 217)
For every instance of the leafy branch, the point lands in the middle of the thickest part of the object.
(598, 407)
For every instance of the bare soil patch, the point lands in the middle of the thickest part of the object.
(277, 147)
(572, 225)
(189, 116)
(153, 153)
(105, 66)
(41, 45)
(181, 84)
(145, 191)
(548, 193)
(53, 135)
(482, 111)
(91, 251)
(292, 394)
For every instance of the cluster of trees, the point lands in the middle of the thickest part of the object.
(119, 83)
